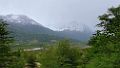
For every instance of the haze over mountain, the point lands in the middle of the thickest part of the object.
(27, 29)
(57, 14)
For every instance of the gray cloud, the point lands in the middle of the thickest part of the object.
(57, 14)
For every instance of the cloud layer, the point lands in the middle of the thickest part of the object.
(57, 14)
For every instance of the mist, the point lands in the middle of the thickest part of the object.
(59, 14)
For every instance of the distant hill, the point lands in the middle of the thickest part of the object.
(26, 29)
(83, 36)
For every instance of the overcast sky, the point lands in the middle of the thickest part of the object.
(57, 14)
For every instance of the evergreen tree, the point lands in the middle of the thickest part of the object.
(5, 40)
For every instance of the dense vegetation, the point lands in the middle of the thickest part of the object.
(103, 52)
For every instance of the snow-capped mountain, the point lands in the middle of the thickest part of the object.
(25, 28)
(20, 19)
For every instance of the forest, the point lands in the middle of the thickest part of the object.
(103, 50)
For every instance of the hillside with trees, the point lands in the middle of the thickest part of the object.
(26, 29)
(103, 50)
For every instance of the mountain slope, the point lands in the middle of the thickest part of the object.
(77, 35)
(26, 29)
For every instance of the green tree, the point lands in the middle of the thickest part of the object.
(109, 35)
(110, 24)
(68, 56)
(62, 55)
(106, 42)
(48, 57)
(19, 59)
(5, 40)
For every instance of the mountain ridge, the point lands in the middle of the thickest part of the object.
(21, 24)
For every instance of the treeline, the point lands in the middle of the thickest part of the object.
(103, 50)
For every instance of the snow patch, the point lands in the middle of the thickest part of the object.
(14, 17)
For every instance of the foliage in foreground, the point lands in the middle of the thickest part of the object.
(103, 53)
(61, 55)
(5, 40)
(106, 42)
